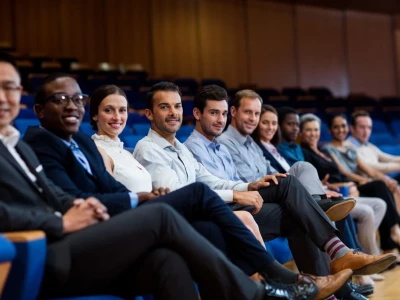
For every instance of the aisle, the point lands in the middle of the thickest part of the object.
(389, 289)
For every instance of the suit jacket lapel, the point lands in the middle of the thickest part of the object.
(5, 153)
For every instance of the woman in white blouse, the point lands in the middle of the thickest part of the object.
(108, 114)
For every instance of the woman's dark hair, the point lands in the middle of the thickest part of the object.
(276, 140)
(98, 96)
(334, 116)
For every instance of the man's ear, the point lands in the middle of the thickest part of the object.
(233, 111)
(196, 113)
(149, 114)
(39, 111)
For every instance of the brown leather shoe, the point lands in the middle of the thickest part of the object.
(327, 285)
(337, 210)
(361, 263)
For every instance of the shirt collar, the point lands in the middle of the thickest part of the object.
(72, 144)
(211, 144)
(11, 137)
(240, 138)
(162, 142)
(355, 142)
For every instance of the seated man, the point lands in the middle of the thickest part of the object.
(172, 165)
(289, 124)
(361, 128)
(151, 249)
(72, 161)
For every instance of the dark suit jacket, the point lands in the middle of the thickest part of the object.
(272, 160)
(66, 171)
(25, 205)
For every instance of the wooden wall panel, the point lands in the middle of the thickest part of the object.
(271, 44)
(82, 31)
(128, 32)
(223, 41)
(6, 24)
(321, 49)
(37, 27)
(175, 48)
(370, 53)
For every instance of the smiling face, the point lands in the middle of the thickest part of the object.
(310, 133)
(290, 127)
(64, 121)
(213, 119)
(362, 129)
(245, 118)
(166, 114)
(112, 116)
(339, 128)
(268, 126)
(10, 94)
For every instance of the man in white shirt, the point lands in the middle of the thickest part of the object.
(286, 203)
(361, 129)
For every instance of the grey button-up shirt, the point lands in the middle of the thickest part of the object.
(250, 162)
(175, 167)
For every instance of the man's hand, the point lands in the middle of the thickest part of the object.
(391, 184)
(331, 194)
(160, 191)
(83, 214)
(248, 198)
(145, 196)
(265, 181)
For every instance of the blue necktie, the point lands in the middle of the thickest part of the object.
(81, 158)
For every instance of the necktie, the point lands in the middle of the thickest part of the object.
(81, 158)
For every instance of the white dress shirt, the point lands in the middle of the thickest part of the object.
(10, 140)
(175, 167)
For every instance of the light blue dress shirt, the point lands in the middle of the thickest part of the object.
(81, 158)
(175, 167)
(246, 154)
(212, 155)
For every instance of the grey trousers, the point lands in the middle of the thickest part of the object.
(308, 176)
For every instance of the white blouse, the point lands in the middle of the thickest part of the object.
(274, 152)
(127, 170)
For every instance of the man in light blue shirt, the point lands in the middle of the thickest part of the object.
(288, 208)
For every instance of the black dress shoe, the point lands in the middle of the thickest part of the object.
(365, 289)
(276, 290)
(354, 296)
(335, 208)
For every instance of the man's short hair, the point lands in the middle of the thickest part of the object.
(356, 114)
(306, 118)
(163, 86)
(209, 92)
(8, 58)
(40, 95)
(245, 94)
(283, 112)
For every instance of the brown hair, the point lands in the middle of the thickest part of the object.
(276, 140)
(357, 114)
(245, 94)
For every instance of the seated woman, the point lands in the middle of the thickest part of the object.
(342, 153)
(108, 114)
(369, 211)
(267, 136)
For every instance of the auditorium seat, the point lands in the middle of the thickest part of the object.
(379, 126)
(23, 124)
(141, 129)
(130, 141)
(28, 100)
(187, 85)
(208, 81)
(87, 128)
(135, 118)
(184, 131)
(7, 254)
(27, 113)
(385, 138)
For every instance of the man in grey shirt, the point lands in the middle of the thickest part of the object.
(171, 165)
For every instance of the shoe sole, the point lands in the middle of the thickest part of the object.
(340, 211)
(375, 267)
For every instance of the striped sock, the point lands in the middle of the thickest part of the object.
(335, 248)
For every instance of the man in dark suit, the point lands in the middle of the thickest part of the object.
(60, 110)
(151, 249)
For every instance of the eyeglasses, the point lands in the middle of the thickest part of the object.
(10, 89)
(63, 99)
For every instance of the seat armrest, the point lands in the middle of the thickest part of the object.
(26, 273)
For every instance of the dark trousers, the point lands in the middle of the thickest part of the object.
(290, 211)
(151, 249)
(378, 188)
(206, 211)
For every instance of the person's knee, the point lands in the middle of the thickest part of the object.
(245, 217)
